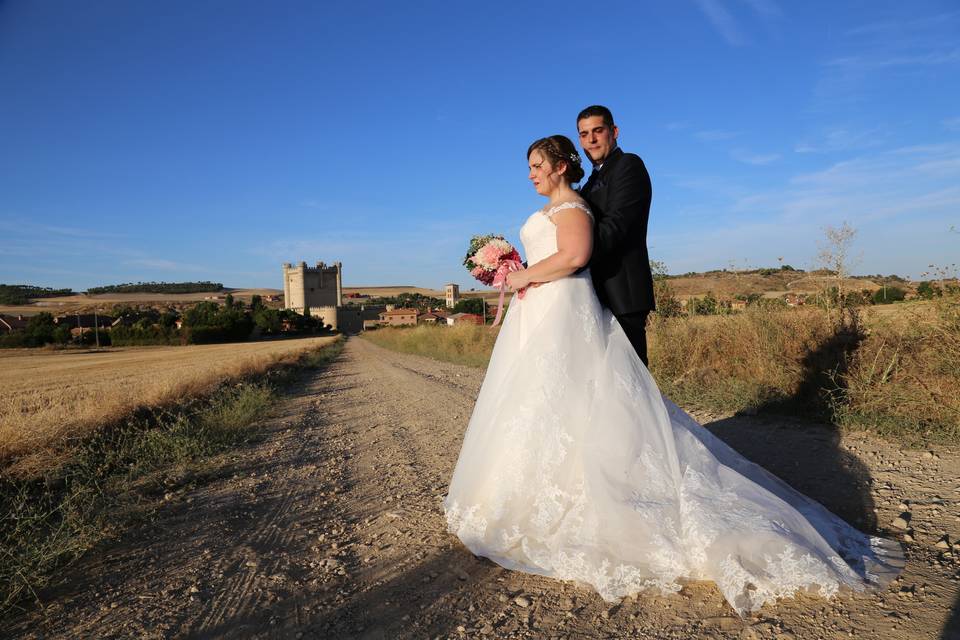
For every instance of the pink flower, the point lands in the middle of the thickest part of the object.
(491, 257)
(490, 254)
(483, 275)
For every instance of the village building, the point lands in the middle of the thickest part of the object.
(84, 321)
(432, 317)
(12, 323)
(453, 294)
(398, 317)
(465, 318)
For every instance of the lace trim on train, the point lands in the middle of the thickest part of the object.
(783, 575)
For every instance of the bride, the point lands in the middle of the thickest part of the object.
(575, 466)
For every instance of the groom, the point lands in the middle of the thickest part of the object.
(619, 192)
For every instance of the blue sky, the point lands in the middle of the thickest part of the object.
(215, 140)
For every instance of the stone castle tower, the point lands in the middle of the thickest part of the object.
(453, 295)
(319, 289)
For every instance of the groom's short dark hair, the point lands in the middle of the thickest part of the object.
(597, 110)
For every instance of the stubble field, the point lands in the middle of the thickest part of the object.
(47, 396)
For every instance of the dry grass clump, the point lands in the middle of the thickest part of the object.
(744, 360)
(904, 380)
(52, 397)
(467, 344)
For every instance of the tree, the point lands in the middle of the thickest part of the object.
(267, 319)
(927, 290)
(835, 254)
(886, 295)
(39, 330)
(705, 306)
(666, 302)
(469, 305)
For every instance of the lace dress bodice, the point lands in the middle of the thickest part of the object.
(539, 233)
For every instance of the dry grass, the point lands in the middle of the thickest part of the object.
(51, 396)
(461, 344)
(746, 360)
(894, 369)
(905, 378)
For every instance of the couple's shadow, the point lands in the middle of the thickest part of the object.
(794, 439)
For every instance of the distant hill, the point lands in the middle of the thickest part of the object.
(722, 284)
(771, 282)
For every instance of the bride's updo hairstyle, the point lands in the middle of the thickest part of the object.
(559, 149)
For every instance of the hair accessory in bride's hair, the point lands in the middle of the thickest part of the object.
(575, 157)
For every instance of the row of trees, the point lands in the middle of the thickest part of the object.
(15, 294)
(414, 300)
(205, 322)
(202, 286)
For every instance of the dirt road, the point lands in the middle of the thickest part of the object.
(331, 528)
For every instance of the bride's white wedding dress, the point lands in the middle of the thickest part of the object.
(575, 466)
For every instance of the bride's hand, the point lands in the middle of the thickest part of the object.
(517, 280)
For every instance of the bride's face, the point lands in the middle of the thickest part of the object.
(543, 175)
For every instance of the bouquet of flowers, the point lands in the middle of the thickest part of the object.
(489, 260)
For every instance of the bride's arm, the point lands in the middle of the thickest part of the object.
(574, 246)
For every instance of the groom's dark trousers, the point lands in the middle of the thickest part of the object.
(619, 194)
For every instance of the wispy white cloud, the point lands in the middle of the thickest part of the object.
(834, 139)
(902, 200)
(728, 27)
(767, 8)
(677, 126)
(871, 62)
(85, 256)
(889, 28)
(872, 55)
(315, 204)
(747, 157)
(722, 21)
(164, 265)
(714, 135)
(22, 225)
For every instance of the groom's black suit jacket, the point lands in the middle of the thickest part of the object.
(619, 195)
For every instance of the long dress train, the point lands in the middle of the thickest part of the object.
(575, 466)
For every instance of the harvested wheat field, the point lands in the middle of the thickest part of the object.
(46, 396)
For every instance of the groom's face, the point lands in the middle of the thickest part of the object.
(596, 138)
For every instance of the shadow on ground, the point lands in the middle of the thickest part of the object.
(951, 631)
(806, 452)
